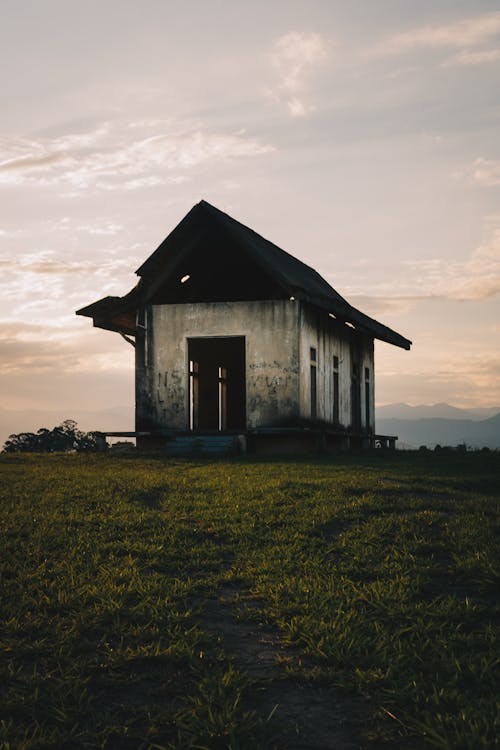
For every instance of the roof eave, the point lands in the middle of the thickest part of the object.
(360, 321)
(110, 313)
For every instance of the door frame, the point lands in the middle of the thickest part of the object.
(222, 386)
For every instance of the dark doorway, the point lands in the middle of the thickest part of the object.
(217, 387)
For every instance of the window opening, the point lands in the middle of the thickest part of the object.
(148, 337)
(141, 318)
(355, 398)
(159, 391)
(313, 392)
(367, 397)
(314, 384)
(336, 406)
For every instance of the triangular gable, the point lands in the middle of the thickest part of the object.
(255, 268)
(289, 272)
(217, 265)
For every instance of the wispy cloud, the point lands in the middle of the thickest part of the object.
(108, 229)
(24, 345)
(452, 376)
(295, 56)
(474, 279)
(477, 278)
(28, 347)
(44, 267)
(482, 172)
(381, 305)
(115, 156)
(10, 233)
(468, 57)
(30, 161)
(47, 262)
(469, 32)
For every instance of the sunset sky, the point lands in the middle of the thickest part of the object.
(362, 137)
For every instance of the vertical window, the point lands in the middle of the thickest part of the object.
(367, 397)
(160, 394)
(355, 398)
(148, 337)
(314, 393)
(336, 407)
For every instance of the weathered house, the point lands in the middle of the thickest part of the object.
(234, 335)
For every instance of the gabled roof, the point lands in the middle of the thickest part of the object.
(203, 234)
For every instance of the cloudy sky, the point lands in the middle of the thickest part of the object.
(363, 137)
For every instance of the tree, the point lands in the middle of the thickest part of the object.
(64, 437)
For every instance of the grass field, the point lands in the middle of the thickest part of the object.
(138, 595)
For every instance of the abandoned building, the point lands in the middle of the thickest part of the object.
(235, 337)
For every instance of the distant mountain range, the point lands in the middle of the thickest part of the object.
(414, 425)
(434, 411)
(440, 424)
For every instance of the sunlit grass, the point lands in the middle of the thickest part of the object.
(382, 569)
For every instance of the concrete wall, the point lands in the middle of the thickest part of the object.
(332, 338)
(278, 337)
(271, 336)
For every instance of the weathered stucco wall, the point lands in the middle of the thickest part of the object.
(330, 338)
(271, 336)
(279, 335)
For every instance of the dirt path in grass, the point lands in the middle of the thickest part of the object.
(299, 714)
